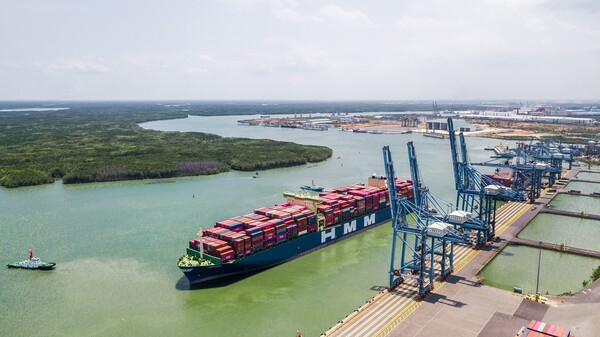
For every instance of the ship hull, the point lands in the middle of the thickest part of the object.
(288, 250)
(43, 266)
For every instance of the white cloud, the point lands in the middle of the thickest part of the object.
(275, 57)
(354, 18)
(287, 14)
(194, 70)
(193, 62)
(243, 4)
(205, 57)
(306, 50)
(72, 66)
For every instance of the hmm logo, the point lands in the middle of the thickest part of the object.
(328, 235)
(349, 227)
(369, 220)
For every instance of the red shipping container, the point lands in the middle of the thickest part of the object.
(269, 234)
(301, 221)
(275, 222)
(261, 211)
(220, 250)
(238, 243)
(226, 256)
(308, 212)
(265, 225)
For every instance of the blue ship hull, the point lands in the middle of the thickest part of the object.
(288, 250)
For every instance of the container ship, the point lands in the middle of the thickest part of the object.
(273, 235)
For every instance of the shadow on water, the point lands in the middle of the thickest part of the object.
(184, 284)
(378, 288)
(504, 253)
(158, 181)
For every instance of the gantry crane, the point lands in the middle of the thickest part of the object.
(421, 239)
(475, 192)
(531, 165)
(441, 209)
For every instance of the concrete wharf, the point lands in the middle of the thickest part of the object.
(586, 181)
(555, 247)
(578, 192)
(582, 215)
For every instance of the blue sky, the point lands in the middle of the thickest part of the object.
(324, 50)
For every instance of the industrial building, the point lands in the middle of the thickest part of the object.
(442, 125)
(534, 119)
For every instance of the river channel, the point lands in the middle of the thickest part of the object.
(117, 244)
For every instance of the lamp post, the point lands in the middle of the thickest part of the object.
(537, 283)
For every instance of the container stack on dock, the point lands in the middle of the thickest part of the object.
(542, 329)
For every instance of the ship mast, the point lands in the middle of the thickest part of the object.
(200, 234)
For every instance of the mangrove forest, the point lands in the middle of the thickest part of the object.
(96, 142)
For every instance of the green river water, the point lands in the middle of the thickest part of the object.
(516, 266)
(117, 244)
(576, 203)
(559, 229)
(595, 176)
(584, 186)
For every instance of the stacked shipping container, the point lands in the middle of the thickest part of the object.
(501, 180)
(246, 234)
(268, 226)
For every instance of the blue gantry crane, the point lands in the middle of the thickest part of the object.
(442, 210)
(477, 193)
(525, 173)
(531, 166)
(423, 238)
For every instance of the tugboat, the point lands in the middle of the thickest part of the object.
(312, 187)
(32, 263)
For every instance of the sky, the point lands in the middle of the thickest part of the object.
(299, 50)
